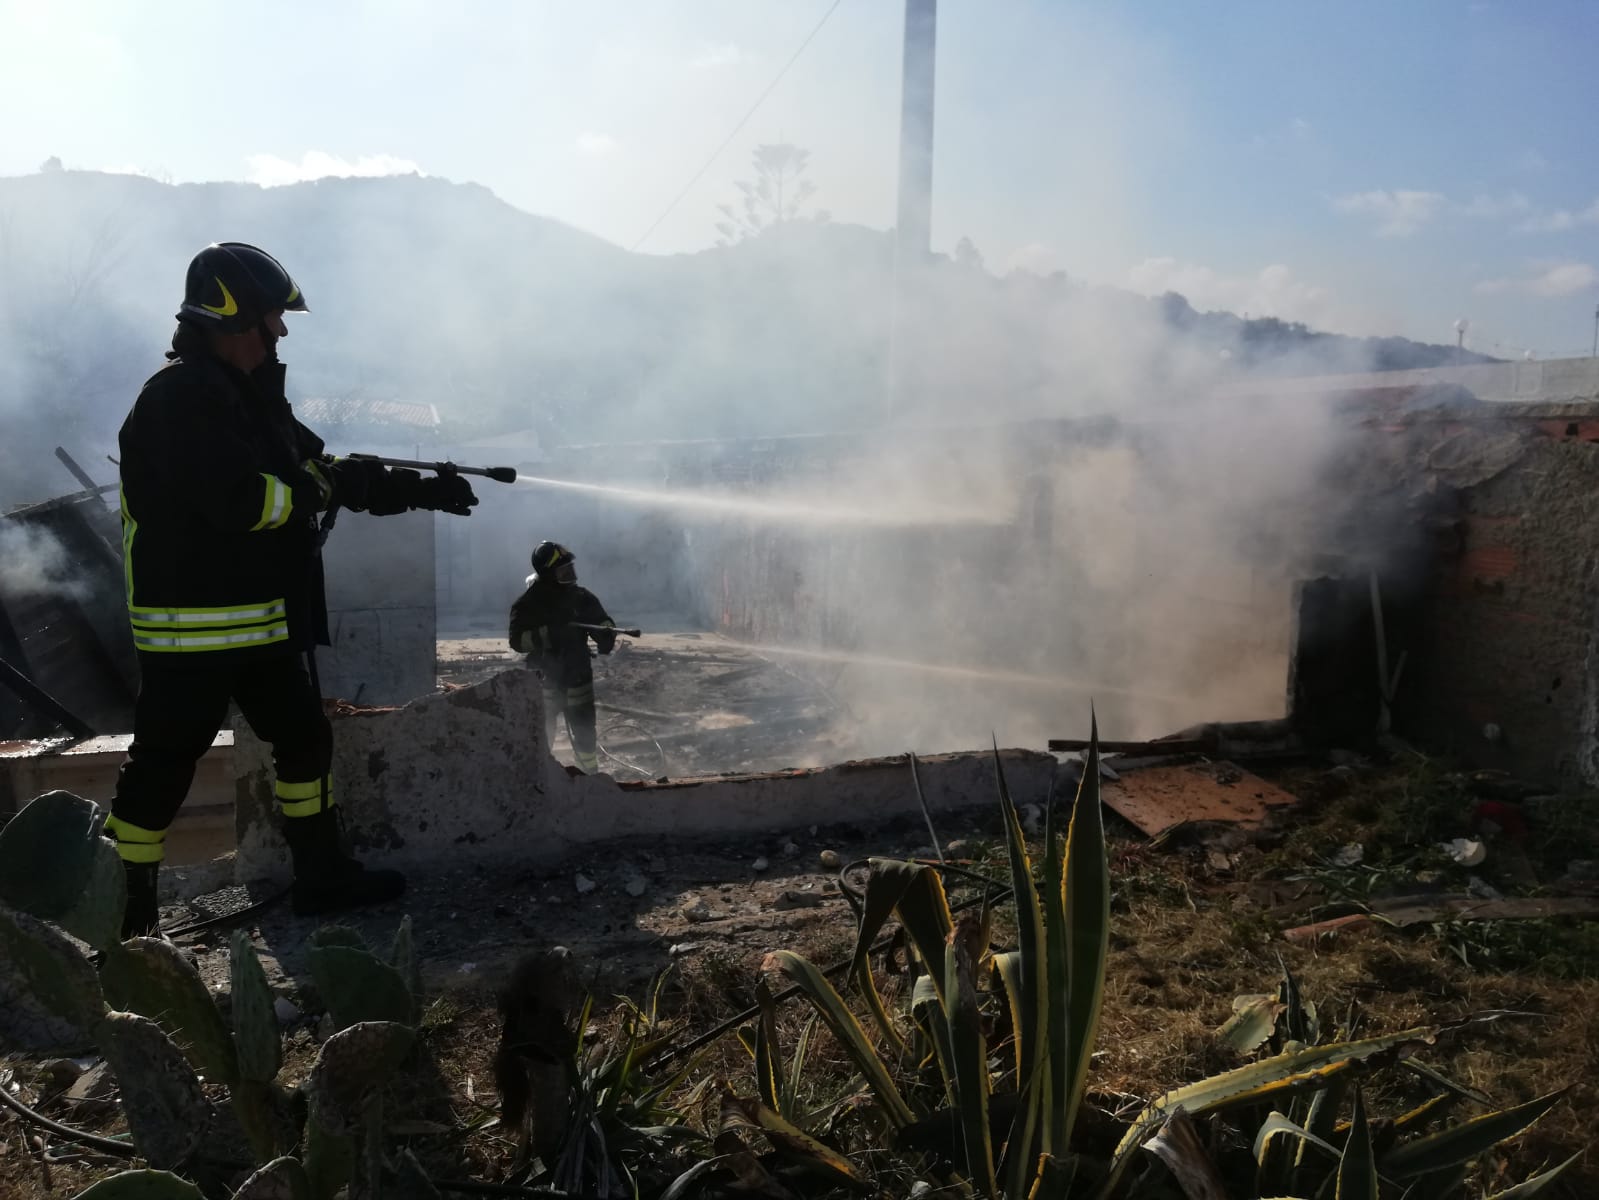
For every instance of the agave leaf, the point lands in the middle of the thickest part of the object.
(679, 1189)
(1086, 901)
(792, 1142)
(889, 880)
(1357, 1169)
(830, 1005)
(255, 1020)
(1264, 1082)
(769, 1080)
(1424, 1112)
(1461, 1143)
(141, 1185)
(403, 958)
(928, 1012)
(1320, 1122)
(166, 1108)
(1057, 1015)
(916, 893)
(1178, 1145)
(1433, 1075)
(1029, 999)
(351, 1066)
(1253, 1022)
(1277, 1127)
(1534, 1187)
(867, 986)
(151, 977)
(969, 1057)
(357, 986)
(280, 1179)
(50, 997)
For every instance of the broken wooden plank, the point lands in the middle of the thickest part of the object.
(1158, 799)
(1425, 910)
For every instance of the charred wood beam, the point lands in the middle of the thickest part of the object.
(32, 694)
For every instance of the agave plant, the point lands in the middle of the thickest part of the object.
(1004, 1120)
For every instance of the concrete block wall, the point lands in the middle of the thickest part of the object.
(381, 609)
(464, 775)
(1509, 636)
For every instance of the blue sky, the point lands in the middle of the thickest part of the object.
(1367, 167)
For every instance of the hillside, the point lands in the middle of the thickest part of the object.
(425, 290)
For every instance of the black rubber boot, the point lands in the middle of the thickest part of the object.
(142, 916)
(326, 879)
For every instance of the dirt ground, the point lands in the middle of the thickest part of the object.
(1196, 921)
(681, 701)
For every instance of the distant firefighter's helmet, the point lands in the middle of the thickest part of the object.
(551, 560)
(231, 286)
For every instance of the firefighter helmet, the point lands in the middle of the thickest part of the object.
(231, 286)
(551, 560)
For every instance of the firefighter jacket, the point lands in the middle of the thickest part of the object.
(541, 628)
(221, 487)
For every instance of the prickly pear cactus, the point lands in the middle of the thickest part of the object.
(352, 1065)
(142, 1185)
(280, 1179)
(410, 1181)
(329, 1159)
(357, 986)
(167, 1111)
(337, 935)
(255, 1021)
(402, 957)
(152, 977)
(55, 864)
(50, 998)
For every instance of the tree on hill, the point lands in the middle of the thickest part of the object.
(776, 195)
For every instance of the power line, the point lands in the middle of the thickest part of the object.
(717, 153)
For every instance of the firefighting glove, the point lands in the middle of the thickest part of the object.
(446, 492)
(605, 642)
(384, 492)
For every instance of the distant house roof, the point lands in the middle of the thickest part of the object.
(323, 410)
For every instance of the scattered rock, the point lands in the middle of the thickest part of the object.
(679, 949)
(91, 1094)
(1468, 852)
(1348, 856)
(830, 885)
(792, 899)
(790, 849)
(1482, 889)
(286, 1010)
(585, 885)
(958, 847)
(635, 886)
(1219, 860)
(697, 912)
(760, 864)
(830, 859)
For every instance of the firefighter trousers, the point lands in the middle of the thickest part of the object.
(180, 709)
(575, 701)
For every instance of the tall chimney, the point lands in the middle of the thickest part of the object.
(913, 229)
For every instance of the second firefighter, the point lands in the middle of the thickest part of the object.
(547, 625)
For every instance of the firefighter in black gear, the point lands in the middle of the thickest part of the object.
(542, 628)
(221, 491)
